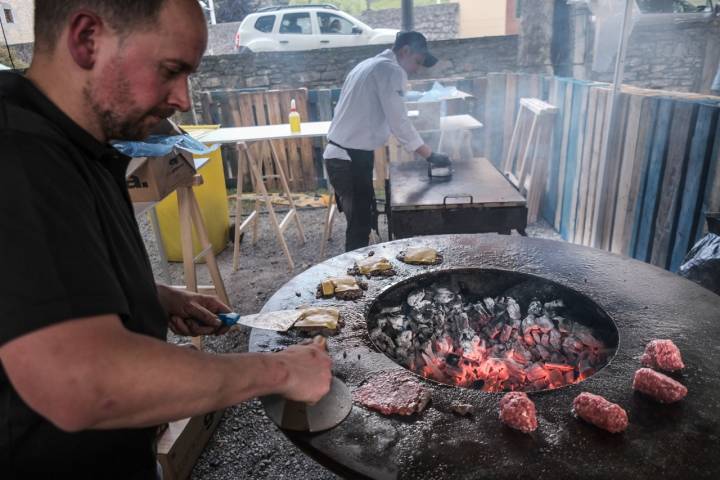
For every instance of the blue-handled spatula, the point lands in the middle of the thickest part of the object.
(280, 320)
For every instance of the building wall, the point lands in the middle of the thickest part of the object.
(436, 22)
(21, 30)
(481, 18)
(464, 58)
(512, 19)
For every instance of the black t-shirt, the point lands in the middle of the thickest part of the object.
(69, 248)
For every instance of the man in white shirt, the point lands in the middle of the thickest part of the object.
(371, 107)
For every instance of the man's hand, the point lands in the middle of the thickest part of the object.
(438, 160)
(308, 372)
(192, 314)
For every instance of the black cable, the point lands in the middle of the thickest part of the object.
(7, 45)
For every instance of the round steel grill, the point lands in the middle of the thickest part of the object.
(662, 441)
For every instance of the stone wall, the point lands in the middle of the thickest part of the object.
(672, 52)
(436, 22)
(668, 56)
(21, 53)
(328, 68)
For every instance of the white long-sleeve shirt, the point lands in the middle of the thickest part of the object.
(371, 107)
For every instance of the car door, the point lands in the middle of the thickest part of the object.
(338, 31)
(295, 32)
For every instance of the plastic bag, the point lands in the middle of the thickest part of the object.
(159, 145)
(413, 95)
(438, 92)
(702, 263)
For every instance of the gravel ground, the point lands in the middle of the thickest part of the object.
(247, 444)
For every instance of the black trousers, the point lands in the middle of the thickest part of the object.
(353, 184)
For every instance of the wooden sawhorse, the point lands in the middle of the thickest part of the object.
(190, 217)
(258, 182)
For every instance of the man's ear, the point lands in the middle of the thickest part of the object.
(83, 34)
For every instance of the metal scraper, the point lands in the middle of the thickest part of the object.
(439, 173)
(331, 410)
(280, 320)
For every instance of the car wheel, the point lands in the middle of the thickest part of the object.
(243, 51)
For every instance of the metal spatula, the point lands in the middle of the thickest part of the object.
(280, 320)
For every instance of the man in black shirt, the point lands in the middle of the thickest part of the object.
(85, 372)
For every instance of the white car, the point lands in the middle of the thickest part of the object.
(306, 27)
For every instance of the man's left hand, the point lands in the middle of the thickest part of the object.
(192, 314)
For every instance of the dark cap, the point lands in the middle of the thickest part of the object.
(417, 43)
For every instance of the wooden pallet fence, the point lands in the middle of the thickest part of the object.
(690, 194)
(549, 204)
(679, 187)
(641, 116)
(503, 92)
(639, 184)
(648, 202)
(675, 165)
(711, 197)
(321, 107)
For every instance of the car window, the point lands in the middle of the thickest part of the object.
(334, 24)
(265, 23)
(298, 23)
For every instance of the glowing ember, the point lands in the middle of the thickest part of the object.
(494, 344)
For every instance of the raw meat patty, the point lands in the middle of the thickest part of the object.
(658, 386)
(663, 355)
(396, 392)
(518, 411)
(600, 412)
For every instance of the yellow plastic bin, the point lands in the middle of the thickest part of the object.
(212, 198)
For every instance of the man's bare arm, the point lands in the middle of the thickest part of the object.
(93, 373)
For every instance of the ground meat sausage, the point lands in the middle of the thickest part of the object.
(397, 392)
(658, 386)
(518, 411)
(662, 355)
(600, 412)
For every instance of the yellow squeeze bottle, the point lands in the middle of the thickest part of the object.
(294, 118)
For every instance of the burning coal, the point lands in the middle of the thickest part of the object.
(492, 344)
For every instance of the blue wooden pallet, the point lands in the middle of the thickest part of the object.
(693, 187)
(651, 117)
(549, 203)
(571, 160)
(653, 181)
(712, 185)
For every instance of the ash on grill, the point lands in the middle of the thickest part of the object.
(488, 344)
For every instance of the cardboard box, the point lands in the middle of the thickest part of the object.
(179, 447)
(150, 179)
